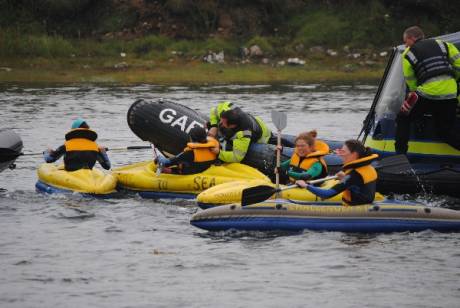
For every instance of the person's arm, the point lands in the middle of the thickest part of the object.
(454, 59)
(103, 158)
(409, 74)
(285, 164)
(346, 182)
(213, 117)
(213, 131)
(325, 193)
(352, 181)
(240, 147)
(312, 172)
(51, 156)
(184, 157)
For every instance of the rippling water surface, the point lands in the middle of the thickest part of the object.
(58, 251)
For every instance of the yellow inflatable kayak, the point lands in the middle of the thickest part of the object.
(54, 179)
(142, 178)
(232, 192)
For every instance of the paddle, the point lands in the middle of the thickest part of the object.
(279, 119)
(134, 147)
(256, 194)
(10, 154)
(261, 193)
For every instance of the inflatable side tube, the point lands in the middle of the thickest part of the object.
(263, 157)
(426, 178)
(10, 147)
(163, 123)
(49, 189)
(285, 216)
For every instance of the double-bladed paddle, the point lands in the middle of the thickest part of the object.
(8, 154)
(393, 164)
(261, 193)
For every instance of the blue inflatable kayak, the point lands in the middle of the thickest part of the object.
(283, 215)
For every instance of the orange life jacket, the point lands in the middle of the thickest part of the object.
(367, 172)
(81, 149)
(299, 164)
(81, 139)
(202, 151)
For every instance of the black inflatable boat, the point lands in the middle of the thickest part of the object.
(10, 148)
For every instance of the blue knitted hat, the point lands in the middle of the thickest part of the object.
(79, 123)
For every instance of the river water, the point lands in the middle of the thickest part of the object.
(68, 251)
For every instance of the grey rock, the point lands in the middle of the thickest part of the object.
(121, 66)
(255, 51)
(317, 49)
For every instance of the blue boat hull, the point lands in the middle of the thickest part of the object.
(284, 215)
(318, 224)
(49, 189)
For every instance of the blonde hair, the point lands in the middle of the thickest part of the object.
(308, 137)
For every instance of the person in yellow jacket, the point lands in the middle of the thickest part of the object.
(198, 156)
(358, 178)
(307, 162)
(237, 130)
(431, 69)
(80, 149)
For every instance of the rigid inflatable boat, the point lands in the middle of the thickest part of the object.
(282, 215)
(10, 148)
(436, 165)
(232, 193)
(160, 121)
(92, 182)
(142, 178)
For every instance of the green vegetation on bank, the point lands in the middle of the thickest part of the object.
(165, 40)
(193, 73)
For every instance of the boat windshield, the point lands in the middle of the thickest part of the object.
(393, 91)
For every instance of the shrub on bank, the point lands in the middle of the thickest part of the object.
(263, 43)
(13, 44)
(151, 43)
(155, 48)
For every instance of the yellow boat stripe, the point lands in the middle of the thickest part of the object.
(416, 147)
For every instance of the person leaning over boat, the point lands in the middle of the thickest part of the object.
(237, 131)
(80, 149)
(199, 155)
(307, 162)
(358, 177)
(431, 68)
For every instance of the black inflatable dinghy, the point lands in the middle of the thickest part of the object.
(10, 148)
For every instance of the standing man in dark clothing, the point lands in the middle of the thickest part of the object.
(431, 69)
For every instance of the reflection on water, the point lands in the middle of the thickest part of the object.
(129, 252)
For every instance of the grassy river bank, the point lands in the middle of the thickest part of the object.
(175, 72)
